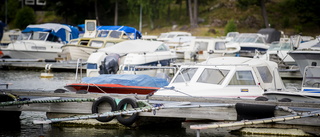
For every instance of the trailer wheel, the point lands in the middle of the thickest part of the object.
(125, 104)
(104, 103)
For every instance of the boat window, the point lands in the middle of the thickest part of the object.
(39, 36)
(201, 45)
(108, 44)
(163, 35)
(312, 77)
(220, 46)
(260, 40)
(185, 75)
(213, 76)
(162, 48)
(97, 44)
(13, 37)
(171, 35)
(115, 34)
(24, 36)
(265, 74)
(84, 42)
(103, 33)
(242, 78)
(52, 38)
(130, 35)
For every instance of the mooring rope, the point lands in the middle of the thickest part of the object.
(147, 108)
(10, 103)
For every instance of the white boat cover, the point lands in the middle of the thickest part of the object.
(132, 46)
(54, 26)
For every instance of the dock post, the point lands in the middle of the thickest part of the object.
(198, 132)
(41, 131)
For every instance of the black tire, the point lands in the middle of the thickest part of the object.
(261, 98)
(60, 90)
(125, 119)
(104, 99)
(81, 92)
(285, 100)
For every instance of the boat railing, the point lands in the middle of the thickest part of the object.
(79, 63)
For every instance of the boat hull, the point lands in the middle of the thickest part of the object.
(111, 88)
(72, 52)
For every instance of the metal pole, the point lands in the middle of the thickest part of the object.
(140, 23)
(6, 12)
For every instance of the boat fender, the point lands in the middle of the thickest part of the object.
(254, 111)
(125, 119)
(104, 99)
(110, 64)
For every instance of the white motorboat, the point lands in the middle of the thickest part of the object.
(225, 77)
(250, 43)
(123, 57)
(308, 54)
(41, 41)
(96, 38)
(278, 51)
(310, 89)
(165, 37)
(204, 48)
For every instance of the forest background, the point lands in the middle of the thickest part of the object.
(200, 17)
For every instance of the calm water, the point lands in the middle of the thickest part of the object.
(24, 79)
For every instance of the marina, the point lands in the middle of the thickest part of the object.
(190, 69)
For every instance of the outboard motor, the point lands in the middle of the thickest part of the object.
(110, 64)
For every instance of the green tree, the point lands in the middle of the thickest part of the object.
(24, 17)
(261, 3)
(152, 9)
(230, 27)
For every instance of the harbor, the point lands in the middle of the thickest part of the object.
(184, 68)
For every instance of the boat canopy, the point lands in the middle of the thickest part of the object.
(55, 29)
(130, 31)
(127, 80)
(271, 34)
(135, 46)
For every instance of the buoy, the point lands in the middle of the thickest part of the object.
(46, 73)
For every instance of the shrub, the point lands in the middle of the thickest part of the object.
(24, 17)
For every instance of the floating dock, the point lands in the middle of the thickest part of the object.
(39, 63)
(176, 107)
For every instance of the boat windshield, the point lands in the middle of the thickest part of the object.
(34, 36)
(115, 34)
(185, 75)
(246, 38)
(103, 33)
(275, 46)
(213, 76)
(163, 35)
(312, 77)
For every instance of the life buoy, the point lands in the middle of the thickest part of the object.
(104, 99)
(129, 119)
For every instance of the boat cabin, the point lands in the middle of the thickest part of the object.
(230, 77)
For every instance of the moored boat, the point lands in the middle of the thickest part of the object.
(120, 84)
(310, 89)
(226, 77)
(41, 41)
